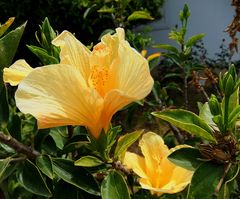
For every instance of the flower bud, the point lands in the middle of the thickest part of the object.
(214, 105)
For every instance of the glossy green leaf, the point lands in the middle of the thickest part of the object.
(112, 135)
(136, 15)
(44, 163)
(43, 55)
(88, 161)
(31, 179)
(187, 121)
(59, 135)
(126, 141)
(9, 44)
(114, 186)
(76, 176)
(167, 47)
(4, 109)
(192, 40)
(205, 180)
(187, 158)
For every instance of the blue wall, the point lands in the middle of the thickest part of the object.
(207, 16)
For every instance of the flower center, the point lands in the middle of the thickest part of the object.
(98, 79)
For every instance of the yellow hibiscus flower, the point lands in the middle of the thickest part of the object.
(87, 87)
(16, 72)
(156, 172)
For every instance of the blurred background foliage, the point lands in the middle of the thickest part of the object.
(87, 18)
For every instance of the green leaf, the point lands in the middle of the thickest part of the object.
(174, 57)
(176, 36)
(106, 9)
(205, 180)
(59, 135)
(187, 158)
(9, 44)
(4, 109)
(44, 163)
(233, 101)
(234, 115)
(76, 176)
(136, 15)
(167, 47)
(106, 31)
(43, 55)
(114, 186)
(206, 115)
(29, 125)
(153, 62)
(192, 40)
(31, 179)
(88, 161)
(171, 75)
(187, 121)
(48, 31)
(126, 141)
(8, 169)
(73, 146)
(4, 163)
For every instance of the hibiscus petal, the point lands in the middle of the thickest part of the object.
(182, 177)
(168, 188)
(73, 52)
(133, 74)
(113, 101)
(57, 95)
(16, 72)
(136, 163)
(153, 149)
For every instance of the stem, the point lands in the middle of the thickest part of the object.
(19, 159)
(222, 178)
(226, 113)
(186, 91)
(204, 93)
(177, 134)
(158, 100)
(19, 147)
(217, 90)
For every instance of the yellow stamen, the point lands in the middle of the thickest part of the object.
(98, 79)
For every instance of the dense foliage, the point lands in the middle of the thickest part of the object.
(87, 18)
